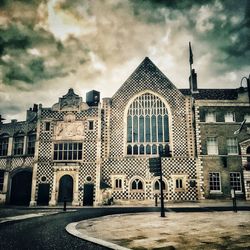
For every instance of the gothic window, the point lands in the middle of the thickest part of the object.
(4, 142)
(147, 125)
(67, 151)
(157, 185)
(137, 185)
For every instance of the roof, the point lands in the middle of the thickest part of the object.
(212, 94)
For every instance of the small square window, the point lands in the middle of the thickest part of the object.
(91, 125)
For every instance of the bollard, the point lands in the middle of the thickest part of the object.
(156, 201)
(234, 200)
(64, 204)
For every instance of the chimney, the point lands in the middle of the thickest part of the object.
(193, 82)
(93, 98)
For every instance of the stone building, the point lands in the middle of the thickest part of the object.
(96, 151)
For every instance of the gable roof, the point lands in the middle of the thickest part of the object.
(146, 76)
(212, 94)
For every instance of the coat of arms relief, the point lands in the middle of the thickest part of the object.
(69, 129)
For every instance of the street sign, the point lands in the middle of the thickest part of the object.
(155, 166)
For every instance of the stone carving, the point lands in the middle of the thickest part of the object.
(69, 129)
(70, 100)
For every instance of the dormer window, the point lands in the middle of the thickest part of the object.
(210, 117)
(229, 117)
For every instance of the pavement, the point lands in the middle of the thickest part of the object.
(149, 231)
(174, 231)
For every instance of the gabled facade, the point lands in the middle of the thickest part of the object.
(96, 151)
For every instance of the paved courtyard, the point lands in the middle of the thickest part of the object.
(197, 230)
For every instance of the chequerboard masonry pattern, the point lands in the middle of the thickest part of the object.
(101, 169)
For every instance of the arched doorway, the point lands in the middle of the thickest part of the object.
(65, 189)
(21, 188)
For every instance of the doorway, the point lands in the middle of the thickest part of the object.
(65, 189)
(88, 195)
(43, 194)
(21, 188)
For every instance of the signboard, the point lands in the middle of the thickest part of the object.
(155, 166)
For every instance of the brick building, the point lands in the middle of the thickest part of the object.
(88, 152)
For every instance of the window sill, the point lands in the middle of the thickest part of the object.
(215, 192)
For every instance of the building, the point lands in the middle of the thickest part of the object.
(96, 151)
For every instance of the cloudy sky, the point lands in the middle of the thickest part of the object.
(48, 46)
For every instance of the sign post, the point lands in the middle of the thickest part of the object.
(156, 169)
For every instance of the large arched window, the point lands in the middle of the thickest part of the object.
(147, 125)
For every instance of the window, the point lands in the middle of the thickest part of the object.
(31, 144)
(1, 179)
(179, 183)
(247, 117)
(118, 183)
(47, 126)
(232, 146)
(157, 185)
(137, 185)
(147, 125)
(91, 125)
(235, 181)
(4, 142)
(67, 151)
(18, 145)
(214, 182)
(210, 117)
(212, 146)
(229, 117)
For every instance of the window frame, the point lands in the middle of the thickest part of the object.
(91, 127)
(144, 112)
(215, 182)
(4, 145)
(47, 126)
(230, 147)
(60, 151)
(212, 149)
(210, 117)
(137, 180)
(227, 117)
(1, 180)
(31, 144)
(233, 181)
(18, 150)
